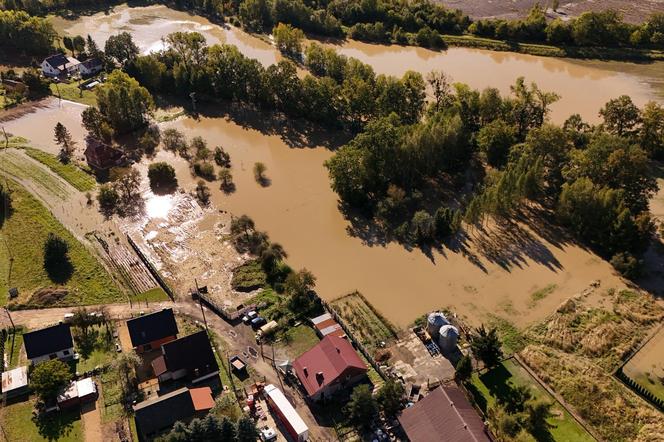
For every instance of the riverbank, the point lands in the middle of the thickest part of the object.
(543, 50)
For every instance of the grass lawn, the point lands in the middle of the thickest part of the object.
(97, 348)
(297, 340)
(71, 173)
(367, 325)
(14, 164)
(498, 383)
(13, 347)
(111, 394)
(19, 426)
(24, 233)
(156, 294)
(71, 92)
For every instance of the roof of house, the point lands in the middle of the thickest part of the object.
(193, 353)
(47, 340)
(91, 63)
(101, 155)
(57, 60)
(14, 379)
(163, 411)
(324, 363)
(152, 327)
(443, 415)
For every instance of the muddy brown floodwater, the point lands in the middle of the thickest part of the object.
(584, 86)
(148, 25)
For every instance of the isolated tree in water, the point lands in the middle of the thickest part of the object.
(63, 139)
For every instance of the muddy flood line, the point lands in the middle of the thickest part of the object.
(584, 86)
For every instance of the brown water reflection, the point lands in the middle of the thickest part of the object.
(148, 25)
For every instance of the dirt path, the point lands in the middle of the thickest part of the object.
(91, 417)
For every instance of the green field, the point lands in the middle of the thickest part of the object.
(13, 347)
(20, 425)
(366, 324)
(297, 340)
(22, 237)
(497, 384)
(14, 164)
(71, 173)
(71, 92)
(97, 348)
(156, 294)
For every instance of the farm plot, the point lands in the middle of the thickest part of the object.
(646, 367)
(499, 386)
(368, 326)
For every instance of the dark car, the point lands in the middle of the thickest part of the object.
(258, 322)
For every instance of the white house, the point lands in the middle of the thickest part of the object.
(59, 64)
(89, 67)
(49, 343)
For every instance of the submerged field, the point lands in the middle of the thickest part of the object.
(23, 235)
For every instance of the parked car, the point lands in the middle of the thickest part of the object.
(258, 322)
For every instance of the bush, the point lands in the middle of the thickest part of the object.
(248, 277)
(162, 178)
(48, 378)
(221, 157)
(204, 170)
(628, 266)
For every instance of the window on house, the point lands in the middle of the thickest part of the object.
(52, 356)
(65, 352)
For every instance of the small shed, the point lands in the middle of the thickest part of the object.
(15, 382)
(78, 392)
(238, 365)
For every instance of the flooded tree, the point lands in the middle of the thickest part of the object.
(288, 39)
(124, 103)
(259, 173)
(221, 157)
(225, 177)
(121, 48)
(63, 139)
(162, 178)
(202, 193)
(108, 199)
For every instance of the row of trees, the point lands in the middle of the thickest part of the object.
(347, 99)
(213, 428)
(605, 28)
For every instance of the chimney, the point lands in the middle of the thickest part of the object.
(306, 372)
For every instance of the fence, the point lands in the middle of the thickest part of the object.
(155, 273)
(355, 342)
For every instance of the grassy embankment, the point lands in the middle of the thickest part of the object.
(21, 253)
(72, 173)
(71, 92)
(545, 50)
(496, 386)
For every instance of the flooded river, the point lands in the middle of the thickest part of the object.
(496, 272)
(584, 86)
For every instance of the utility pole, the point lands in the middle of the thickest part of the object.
(200, 303)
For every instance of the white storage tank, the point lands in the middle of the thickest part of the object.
(434, 322)
(448, 337)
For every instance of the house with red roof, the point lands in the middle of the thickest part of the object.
(332, 365)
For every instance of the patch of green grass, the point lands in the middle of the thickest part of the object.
(19, 426)
(271, 303)
(497, 384)
(24, 233)
(71, 173)
(13, 347)
(156, 294)
(249, 276)
(71, 92)
(96, 348)
(297, 340)
(512, 339)
(542, 293)
(111, 393)
(14, 163)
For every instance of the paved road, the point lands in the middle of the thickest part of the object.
(236, 341)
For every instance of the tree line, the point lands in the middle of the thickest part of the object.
(22, 33)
